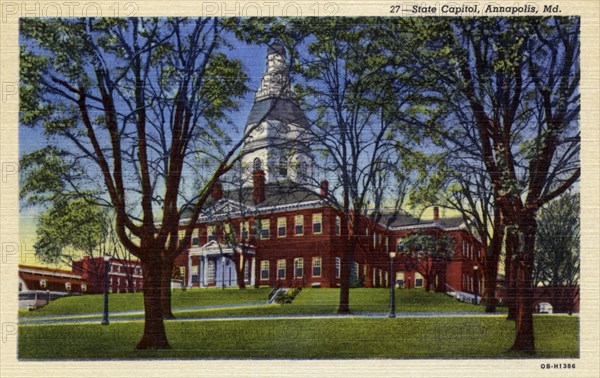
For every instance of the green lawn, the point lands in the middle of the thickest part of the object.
(134, 301)
(347, 337)
(308, 301)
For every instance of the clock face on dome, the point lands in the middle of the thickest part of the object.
(284, 128)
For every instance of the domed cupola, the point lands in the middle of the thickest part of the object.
(278, 139)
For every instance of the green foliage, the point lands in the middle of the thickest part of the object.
(70, 229)
(421, 245)
(557, 242)
(287, 297)
(43, 175)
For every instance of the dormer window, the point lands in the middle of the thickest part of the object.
(283, 166)
(303, 170)
(257, 165)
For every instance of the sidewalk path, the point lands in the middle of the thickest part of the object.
(89, 316)
(114, 317)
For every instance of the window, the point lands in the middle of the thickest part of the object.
(265, 224)
(281, 229)
(68, 285)
(281, 268)
(257, 165)
(317, 220)
(264, 270)
(43, 283)
(226, 231)
(244, 227)
(299, 224)
(181, 235)
(283, 166)
(195, 237)
(298, 267)
(211, 231)
(83, 287)
(303, 170)
(418, 280)
(316, 266)
(399, 246)
(338, 225)
(338, 267)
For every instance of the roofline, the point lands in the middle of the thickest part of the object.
(48, 272)
(259, 211)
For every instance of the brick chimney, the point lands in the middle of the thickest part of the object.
(436, 213)
(324, 188)
(258, 192)
(217, 190)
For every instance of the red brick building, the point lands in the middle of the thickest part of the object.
(35, 278)
(124, 276)
(278, 231)
(292, 238)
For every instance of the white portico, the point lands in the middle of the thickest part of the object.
(213, 265)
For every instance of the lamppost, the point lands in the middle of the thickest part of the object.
(223, 272)
(106, 271)
(475, 283)
(392, 285)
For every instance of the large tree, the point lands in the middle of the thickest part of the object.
(557, 243)
(428, 253)
(129, 106)
(517, 80)
(360, 98)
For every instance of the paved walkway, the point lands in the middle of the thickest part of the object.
(117, 317)
(130, 315)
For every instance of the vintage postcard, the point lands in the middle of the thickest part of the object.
(308, 188)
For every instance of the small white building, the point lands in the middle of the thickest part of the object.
(212, 265)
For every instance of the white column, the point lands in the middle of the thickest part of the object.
(204, 271)
(253, 271)
(189, 270)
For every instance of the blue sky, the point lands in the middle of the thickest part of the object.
(253, 58)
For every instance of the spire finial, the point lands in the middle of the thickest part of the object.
(276, 79)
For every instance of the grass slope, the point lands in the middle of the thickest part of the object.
(309, 301)
(347, 337)
(134, 301)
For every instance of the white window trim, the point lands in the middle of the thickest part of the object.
(296, 260)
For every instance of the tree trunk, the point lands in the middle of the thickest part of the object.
(524, 340)
(165, 287)
(510, 269)
(489, 279)
(154, 336)
(239, 270)
(427, 283)
(344, 305)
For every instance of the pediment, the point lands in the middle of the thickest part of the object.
(226, 207)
